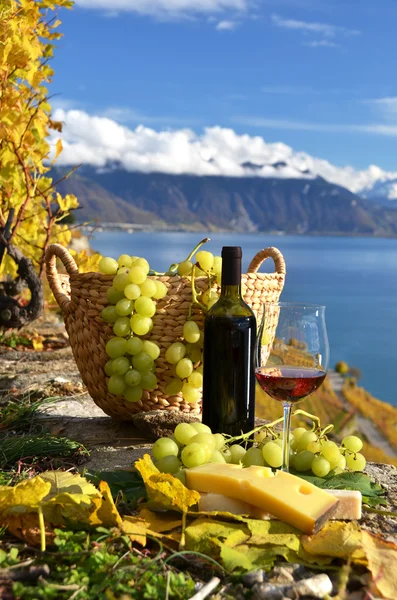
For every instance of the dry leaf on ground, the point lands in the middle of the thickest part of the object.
(382, 562)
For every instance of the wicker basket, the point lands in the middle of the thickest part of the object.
(82, 296)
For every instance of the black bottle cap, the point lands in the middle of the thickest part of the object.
(231, 265)
(232, 252)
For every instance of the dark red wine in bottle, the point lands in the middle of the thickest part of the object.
(289, 384)
(229, 340)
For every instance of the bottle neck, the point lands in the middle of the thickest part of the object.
(231, 291)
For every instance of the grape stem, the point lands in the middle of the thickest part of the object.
(193, 252)
(195, 301)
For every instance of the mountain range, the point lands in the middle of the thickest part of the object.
(298, 202)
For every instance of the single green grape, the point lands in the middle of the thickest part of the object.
(168, 464)
(148, 288)
(219, 441)
(116, 347)
(184, 368)
(217, 266)
(143, 264)
(116, 385)
(145, 307)
(194, 455)
(209, 297)
(142, 362)
(181, 475)
(356, 462)
(314, 447)
(173, 387)
(121, 281)
(122, 270)
(184, 433)
(204, 438)
(140, 325)
(185, 268)
(201, 428)
(124, 260)
(132, 377)
(161, 290)
(272, 454)
(298, 432)
(196, 380)
(132, 291)
(216, 457)
(320, 466)
(114, 295)
(194, 352)
(124, 307)
(109, 368)
(120, 365)
(133, 394)
(122, 327)
(190, 394)
(303, 460)
(164, 447)
(352, 443)
(305, 439)
(237, 453)
(330, 451)
(226, 455)
(175, 353)
(134, 345)
(148, 381)
(191, 332)
(109, 314)
(205, 260)
(108, 265)
(253, 456)
(136, 275)
(151, 348)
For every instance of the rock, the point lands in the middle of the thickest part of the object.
(269, 591)
(317, 587)
(161, 423)
(282, 575)
(250, 579)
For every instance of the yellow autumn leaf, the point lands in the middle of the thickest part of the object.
(382, 562)
(164, 489)
(135, 528)
(23, 497)
(336, 539)
(160, 522)
(206, 535)
(105, 512)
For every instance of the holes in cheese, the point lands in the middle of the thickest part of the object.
(278, 495)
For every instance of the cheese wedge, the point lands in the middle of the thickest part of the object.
(349, 507)
(285, 496)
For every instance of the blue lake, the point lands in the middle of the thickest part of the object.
(356, 278)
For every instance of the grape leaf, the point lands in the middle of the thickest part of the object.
(337, 539)
(373, 493)
(127, 483)
(165, 489)
(382, 560)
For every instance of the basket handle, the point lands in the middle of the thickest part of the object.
(53, 251)
(270, 252)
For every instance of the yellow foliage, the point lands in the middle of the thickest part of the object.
(27, 36)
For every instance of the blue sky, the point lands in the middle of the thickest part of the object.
(318, 75)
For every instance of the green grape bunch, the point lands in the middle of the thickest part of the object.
(194, 444)
(132, 304)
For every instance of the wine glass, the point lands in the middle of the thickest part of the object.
(291, 356)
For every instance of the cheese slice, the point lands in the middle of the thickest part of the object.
(285, 496)
(349, 507)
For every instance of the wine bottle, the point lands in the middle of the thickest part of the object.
(229, 339)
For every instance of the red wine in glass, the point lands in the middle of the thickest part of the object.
(289, 384)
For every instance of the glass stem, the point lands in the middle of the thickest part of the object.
(286, 431)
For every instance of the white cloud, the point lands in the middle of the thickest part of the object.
(374, 129)
(324, 29)
(321, 43)
(97, 140)
(163, 8)
(226, 25)
(387, 107)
